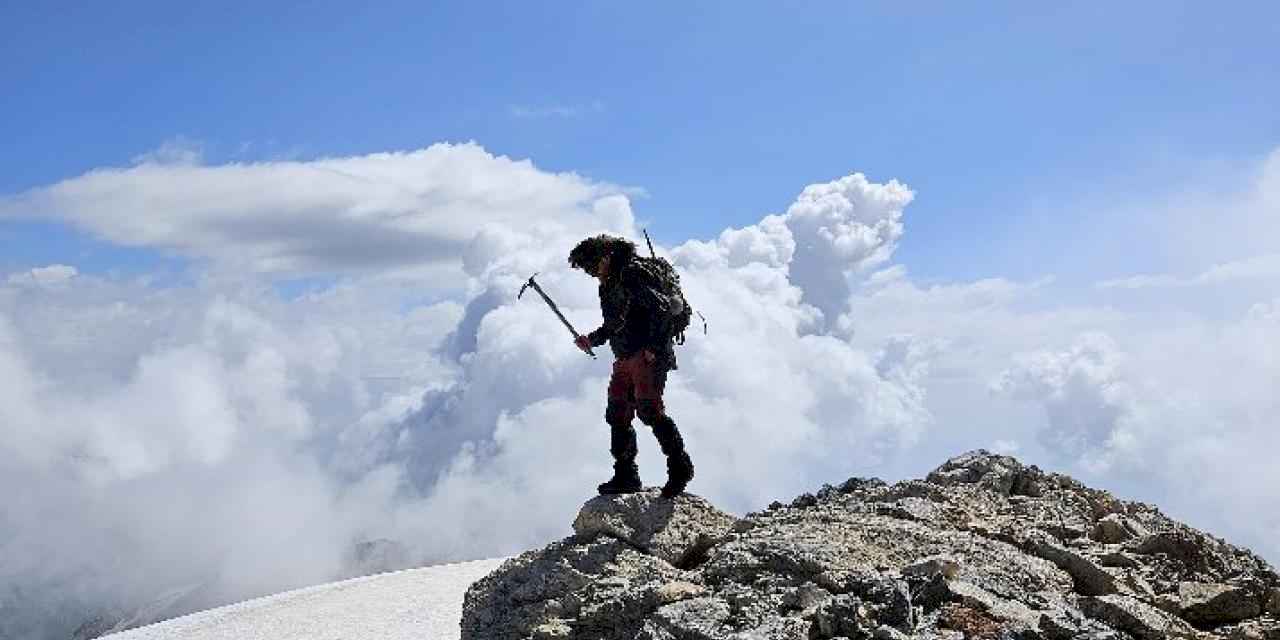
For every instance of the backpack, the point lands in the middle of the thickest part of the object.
(660, 293)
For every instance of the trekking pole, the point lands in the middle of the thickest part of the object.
(533, 283)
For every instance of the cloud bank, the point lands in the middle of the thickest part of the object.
(222, 433)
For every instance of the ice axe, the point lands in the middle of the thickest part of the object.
(534, 283)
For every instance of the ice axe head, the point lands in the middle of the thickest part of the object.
(526, 286)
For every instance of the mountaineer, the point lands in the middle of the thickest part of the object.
(644, 314)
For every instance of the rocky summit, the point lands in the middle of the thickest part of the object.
(984, 547)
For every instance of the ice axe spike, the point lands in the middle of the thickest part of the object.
(534, 283)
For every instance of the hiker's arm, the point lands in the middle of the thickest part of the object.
(615, 315)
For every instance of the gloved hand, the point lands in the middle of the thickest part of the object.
(583, 343)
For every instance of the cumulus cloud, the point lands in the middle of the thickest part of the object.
(220, 432)
(1181, 413)
(1085, 398)
(176, 436)
(841, 228)
(226, 396)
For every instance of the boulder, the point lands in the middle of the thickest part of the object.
(1142, 621)
(676, 531)
(1003, 609)
(1111, 529)
(1002, 474)
(697, 618)
(944, 565)
(1216, 604)
(1261, 629)
(1090, 579)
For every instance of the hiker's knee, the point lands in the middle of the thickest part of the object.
(618, 413)
(650, 411)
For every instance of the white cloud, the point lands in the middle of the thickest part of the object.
(381, 211)
(51, 275)
(181, 151)
(1220, 216)
(1264, 267)
(200, 390)
(841, 228)
(1006, 447)
(1265, 311)
(198, 434)
(470, 426)
(1083, 393)
(1180, 413)
(555, 111)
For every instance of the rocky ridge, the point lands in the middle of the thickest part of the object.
(984, 547)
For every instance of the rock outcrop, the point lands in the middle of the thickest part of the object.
(984, 547)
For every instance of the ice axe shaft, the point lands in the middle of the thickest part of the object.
(534, 283)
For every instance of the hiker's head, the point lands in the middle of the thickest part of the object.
(599, 254)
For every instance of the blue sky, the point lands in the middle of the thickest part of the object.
(1002, 119)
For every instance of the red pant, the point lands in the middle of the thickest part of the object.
(636, 383)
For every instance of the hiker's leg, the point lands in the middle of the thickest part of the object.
(650, 384)
(622, 436)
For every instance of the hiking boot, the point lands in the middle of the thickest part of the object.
(679, 473)
(622, 446)
(626, 479)
(679, 466)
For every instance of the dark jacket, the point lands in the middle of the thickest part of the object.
(628, 325)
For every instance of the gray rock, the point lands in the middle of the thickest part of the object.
(1058, 626)
(554, 629)
(653, 631)
(701, 618)
(925, 568)
(1192, 555)
(1134, 617)
(1273, 601)
(777, 629)
(997, 473)
(1216, 604)
(930, 594)
(594, 582)
(1090, 579)
(910, 508)
(885, 632)
(678, 590)
(999, 608)
(1132, 583)
(843, 615)
(673, 530)
(985, 547)
(806, 597)
(1111, 530)
(1118, 559)
(1261, 629)
(891, 602)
